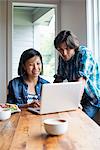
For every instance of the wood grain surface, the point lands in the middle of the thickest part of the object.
(25, 131)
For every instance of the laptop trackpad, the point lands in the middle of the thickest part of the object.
(34, 110)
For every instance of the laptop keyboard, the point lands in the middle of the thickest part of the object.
(34, 109)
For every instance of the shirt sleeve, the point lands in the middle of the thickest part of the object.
(86, 64)
(10, 94)
(15, 93)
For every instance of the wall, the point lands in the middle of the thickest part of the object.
(73, 17)
(70, 11)
(3, 43)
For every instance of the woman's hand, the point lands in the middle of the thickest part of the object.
(35, 103)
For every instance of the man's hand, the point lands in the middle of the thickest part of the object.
(58, 78)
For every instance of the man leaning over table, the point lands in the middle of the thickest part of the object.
(76, 63)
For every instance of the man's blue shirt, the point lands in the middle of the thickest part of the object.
(82, 64)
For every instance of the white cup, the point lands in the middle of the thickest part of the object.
(54, 126)
(5, 114)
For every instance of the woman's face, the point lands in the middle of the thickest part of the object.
(65, 52)
(33, 66)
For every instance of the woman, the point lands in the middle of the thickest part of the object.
(76, 63)
(25, 90)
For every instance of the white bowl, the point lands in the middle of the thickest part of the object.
(55, 126)
(5, 114)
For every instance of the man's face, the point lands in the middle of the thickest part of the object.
(65, 52)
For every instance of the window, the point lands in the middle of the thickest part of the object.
(93, 27)
(34, 27)
(44, 34)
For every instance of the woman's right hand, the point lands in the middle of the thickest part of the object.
(34, 104)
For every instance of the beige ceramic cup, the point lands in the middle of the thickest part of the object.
(54, 126)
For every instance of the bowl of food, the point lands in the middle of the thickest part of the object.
(54, 126)
(5, 114)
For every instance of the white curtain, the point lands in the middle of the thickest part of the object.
(93, 27)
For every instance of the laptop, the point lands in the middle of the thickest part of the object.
(58, 97)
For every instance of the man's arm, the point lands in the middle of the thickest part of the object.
(81, 79)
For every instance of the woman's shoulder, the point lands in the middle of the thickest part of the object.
(16, 80)
(43, 80)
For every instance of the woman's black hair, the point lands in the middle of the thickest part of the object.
(68, 37)
(27, 54)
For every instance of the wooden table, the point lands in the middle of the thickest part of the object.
(25, 131)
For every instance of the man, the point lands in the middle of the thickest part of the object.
(76, 63)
